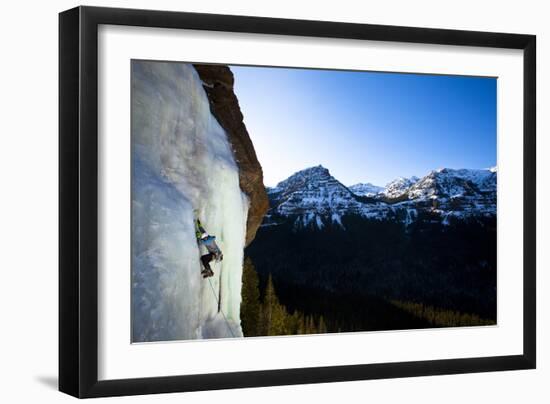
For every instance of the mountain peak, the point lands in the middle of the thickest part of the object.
(315, 173)
(314, 169)
(314, 196)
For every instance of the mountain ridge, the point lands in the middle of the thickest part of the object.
(314, 196)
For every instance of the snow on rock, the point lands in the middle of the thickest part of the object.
(181, 162)
(319, 221)
(366, 189)
(313, 194)
(317, 198)
(399, 187)
(337, 219)
(458, 193)
(453, 183)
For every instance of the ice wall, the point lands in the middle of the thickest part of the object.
(181, 162)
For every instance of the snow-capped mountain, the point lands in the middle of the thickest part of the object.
(314, 196)
(366, 189)
(398, 187)
(449, 183)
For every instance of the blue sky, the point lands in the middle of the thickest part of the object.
(366, 126)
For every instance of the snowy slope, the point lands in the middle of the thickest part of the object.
(365, 189)
(457, 193)
(398, 187)
(446, 182)
(181, 161)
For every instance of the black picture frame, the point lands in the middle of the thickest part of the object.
(78, 201)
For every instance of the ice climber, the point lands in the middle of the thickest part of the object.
(209, 243)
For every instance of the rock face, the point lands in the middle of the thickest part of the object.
(399, 187)
(218, 83)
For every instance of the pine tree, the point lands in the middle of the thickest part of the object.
(314, 329)
(307, 325)
(293, 323)
(301, 324)
(310, 325)
(262, 321)
(269, 317)
(250, 303)
(322, 326)
(269, 302)
(279, 320)
(274, 313)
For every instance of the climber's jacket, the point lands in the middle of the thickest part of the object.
(209, 242)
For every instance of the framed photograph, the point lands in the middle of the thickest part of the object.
(251, 201)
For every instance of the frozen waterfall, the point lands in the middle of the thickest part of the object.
(181, 162)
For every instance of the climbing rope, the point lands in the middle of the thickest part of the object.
(221, 311)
